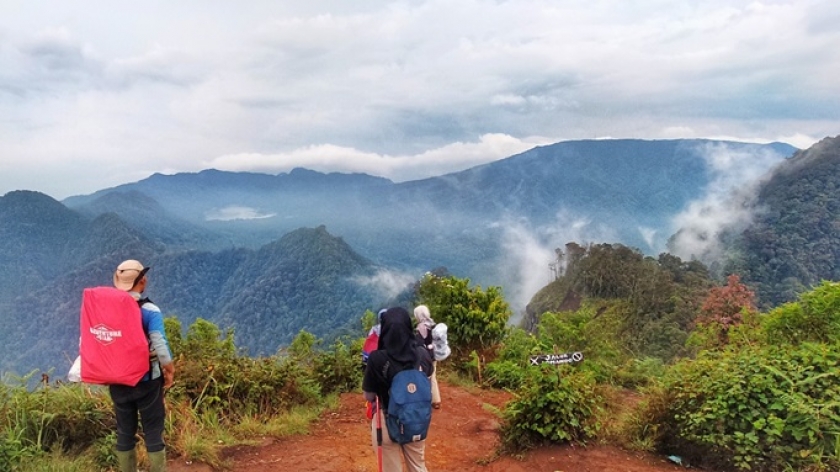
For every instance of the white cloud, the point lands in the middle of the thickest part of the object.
(726, 204)
(528, 251)
(649, 236)
(235, 212)
(388, 283)
(329, 158)
(416, 87)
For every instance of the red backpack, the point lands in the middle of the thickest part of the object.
(371, 343)
(113, 345)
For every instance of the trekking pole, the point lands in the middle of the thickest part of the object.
(378, 434)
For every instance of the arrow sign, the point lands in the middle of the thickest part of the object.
(555, 359)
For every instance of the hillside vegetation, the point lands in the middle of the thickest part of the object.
(792, 244)
(251, 251)
(729, 368)
(305, 280)
(729, 388)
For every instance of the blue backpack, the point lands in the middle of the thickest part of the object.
(410, 406)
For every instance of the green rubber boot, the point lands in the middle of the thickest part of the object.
(127, 460)
(157, 461)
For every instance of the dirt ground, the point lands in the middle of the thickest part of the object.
(462, 438)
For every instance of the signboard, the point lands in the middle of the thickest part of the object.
(555, 359)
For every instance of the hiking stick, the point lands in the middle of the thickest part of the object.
(378, 434)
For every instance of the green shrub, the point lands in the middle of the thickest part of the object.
(594, 330)
(759, 408)
(339, 368)
(245, 386)
(67, 417)
(505, 374)
(815, 317)
(518, 346)
(476, 319)
(13, 450)
(510, 367)
(213, 378)
(637, 373)
(560, 404)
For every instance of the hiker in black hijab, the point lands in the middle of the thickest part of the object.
(398, 350)
(397, 336)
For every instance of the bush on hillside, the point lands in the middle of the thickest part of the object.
(476, 319)
(764, 408)
(640, 306)
(560, 404)
(815, 317)
(339, 368)
(593, 330)
(510, 367)
(212, 377)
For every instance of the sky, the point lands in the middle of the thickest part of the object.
(96, 93)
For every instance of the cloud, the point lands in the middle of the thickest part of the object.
(649, 236)
(527, 260)
(388, 283)
(52, 62)
(234, 212)
(727, 203)
(330, 158)
(172, 86)
(157, 66)
(528, 252)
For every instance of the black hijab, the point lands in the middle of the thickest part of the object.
(397, 336)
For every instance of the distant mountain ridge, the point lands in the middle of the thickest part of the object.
(629, 189)
(252, 251)
(625, 190)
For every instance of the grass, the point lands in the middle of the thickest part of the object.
(294, 422)
(458, 379)
(59, 462)
(199, 437)
(629, 419)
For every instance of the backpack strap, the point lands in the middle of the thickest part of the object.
(152, 359)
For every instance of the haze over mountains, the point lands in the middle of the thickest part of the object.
(473, 222)
(272, 254)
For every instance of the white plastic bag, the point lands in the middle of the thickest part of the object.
(441, 346)
(75, 374)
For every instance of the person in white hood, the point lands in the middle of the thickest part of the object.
(424, 333)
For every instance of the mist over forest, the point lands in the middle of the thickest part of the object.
(269, 255)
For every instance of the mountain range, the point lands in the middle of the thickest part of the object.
(485, 222)
(269, 255)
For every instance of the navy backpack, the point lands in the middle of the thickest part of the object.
(410, 406)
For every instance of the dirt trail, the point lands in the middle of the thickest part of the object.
(464, 432)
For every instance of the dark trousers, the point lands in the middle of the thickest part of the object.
(146, 399)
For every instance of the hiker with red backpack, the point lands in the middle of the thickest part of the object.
(397, 379)
(372, 340)
(146, 396)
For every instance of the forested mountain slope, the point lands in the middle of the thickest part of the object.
(308, 279)
(792, 243)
